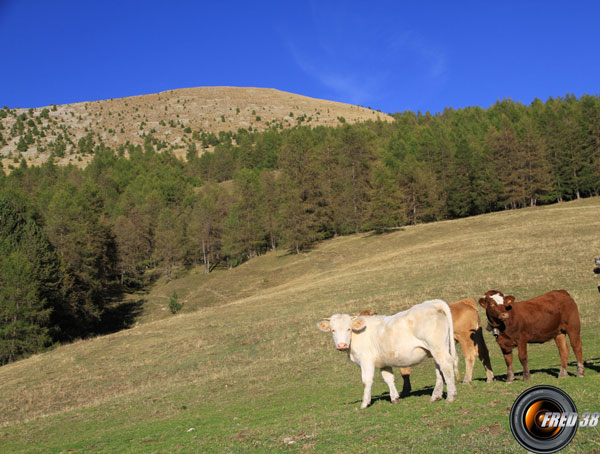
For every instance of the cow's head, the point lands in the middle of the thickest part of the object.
(497, 308)
(341, 327)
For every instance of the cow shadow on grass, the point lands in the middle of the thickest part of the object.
(592, 363)
(386, 396)
(519, 375)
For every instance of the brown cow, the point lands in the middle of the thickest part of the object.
(468, 332)
(552, 315)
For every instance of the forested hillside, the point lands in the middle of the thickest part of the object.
(74, 239)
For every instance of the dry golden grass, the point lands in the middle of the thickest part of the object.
(245, 366)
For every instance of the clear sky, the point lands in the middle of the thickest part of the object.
(393, 56)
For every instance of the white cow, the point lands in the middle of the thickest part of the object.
(400, 340)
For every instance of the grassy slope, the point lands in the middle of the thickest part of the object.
(247, 369)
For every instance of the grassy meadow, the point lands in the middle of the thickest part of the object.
(243, 368)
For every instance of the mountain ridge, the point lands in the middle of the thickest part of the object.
(173, 118)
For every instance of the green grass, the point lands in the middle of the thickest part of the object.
(246, 368)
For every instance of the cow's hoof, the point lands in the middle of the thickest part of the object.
(526, 377)
(563, 373)
(490, 380)
(435, 398)
(451, 398)
(466, 382)
(580, 373)
(363, 406)
(395, 401)
(510, 379)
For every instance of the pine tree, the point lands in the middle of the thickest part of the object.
(355, 154)
(24, 314)
(536, 168)
(302, 197)
(386, 207)
(169, 240)
(87, 251)
(206, 223)
(29, 281)
(504, 148)
(134, 245)
(271, 224)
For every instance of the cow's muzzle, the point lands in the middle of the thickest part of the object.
(342, 346)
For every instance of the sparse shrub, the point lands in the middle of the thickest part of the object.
(174, 305)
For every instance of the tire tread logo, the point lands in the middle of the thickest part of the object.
(543, 419)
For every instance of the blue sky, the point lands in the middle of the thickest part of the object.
(392, 56)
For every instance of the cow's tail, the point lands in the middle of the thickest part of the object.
(452, 347)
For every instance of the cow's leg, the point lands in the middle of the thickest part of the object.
(439, 384)
(388, 376)
(508, 358)
(563, 351)
(367, 370)
(577, 347)
(468, 348)
(522, 347)
(405, 371)
(445, 367)
(484, 354)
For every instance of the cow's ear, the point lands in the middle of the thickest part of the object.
(509, 300)
(359, 324)
(483, 303)
(324, 325)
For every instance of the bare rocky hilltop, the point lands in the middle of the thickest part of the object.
(176, 118)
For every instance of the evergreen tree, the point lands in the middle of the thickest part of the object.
(29, 281)
(355, 156)
(206, 223)
(386, 208)
(134, 245)
(169, 240)
(504, 147)
(244, 237)
(302, 194)
(24, 314)
(87, 251)
(271, 225)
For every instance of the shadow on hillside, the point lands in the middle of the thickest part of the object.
(120, 316)
(386, 396)
(303, 252)
(386, 231)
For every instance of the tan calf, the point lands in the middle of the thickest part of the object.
(468, 332)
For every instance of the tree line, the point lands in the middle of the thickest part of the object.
(73, 239)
